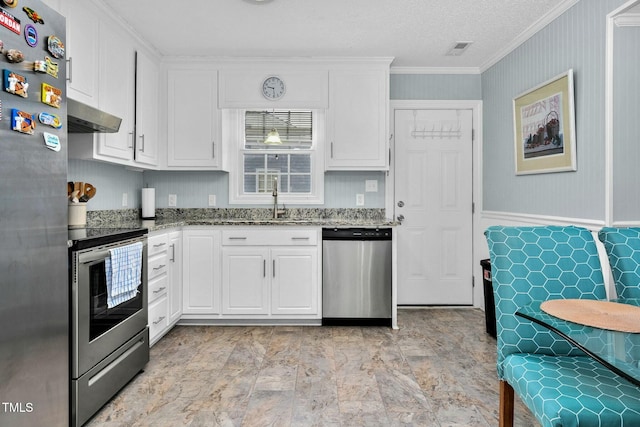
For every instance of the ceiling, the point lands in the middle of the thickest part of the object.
(417, 33)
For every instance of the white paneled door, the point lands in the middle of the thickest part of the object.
(433, 195)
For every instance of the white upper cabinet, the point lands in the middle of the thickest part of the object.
(304, 86)
(117, 86)
(357, 119)
(194, 135)
(102, 73)
(147, 86)
(83, 23)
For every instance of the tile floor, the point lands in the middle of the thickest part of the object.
(438, 369)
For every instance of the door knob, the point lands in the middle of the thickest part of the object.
(400, 204)
(400, 218)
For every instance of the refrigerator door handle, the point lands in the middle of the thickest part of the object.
(70, 70)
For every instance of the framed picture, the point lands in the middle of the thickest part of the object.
(544, 122)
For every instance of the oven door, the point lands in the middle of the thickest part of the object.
(97, 331)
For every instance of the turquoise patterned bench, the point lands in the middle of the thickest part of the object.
(623, 249)
(558, 383)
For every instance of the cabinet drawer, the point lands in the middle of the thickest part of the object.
(278, 237)
(158, 317)
(157, 244)
(158, 265)
(158, 287)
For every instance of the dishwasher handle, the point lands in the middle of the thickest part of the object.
(356, 234)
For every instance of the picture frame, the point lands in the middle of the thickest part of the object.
(544, 127)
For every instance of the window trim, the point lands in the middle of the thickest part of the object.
(235, 141)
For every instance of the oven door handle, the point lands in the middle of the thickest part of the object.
(94, 257)
(99, 254)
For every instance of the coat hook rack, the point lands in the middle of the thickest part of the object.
(443, 130)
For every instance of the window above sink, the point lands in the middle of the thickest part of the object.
(295, 164)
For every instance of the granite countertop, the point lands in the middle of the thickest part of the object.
(153, 225)
(172, 218)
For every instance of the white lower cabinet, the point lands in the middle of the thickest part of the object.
(238, 274)
(163, 282)
(244, 280)
(201, 271)
(294, 281)
(270, 273)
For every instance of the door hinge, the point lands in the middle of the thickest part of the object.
(473, 135)
(473, 208)
(473, 281)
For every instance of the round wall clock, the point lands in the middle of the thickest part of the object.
(273, 88)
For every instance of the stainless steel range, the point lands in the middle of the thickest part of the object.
(109, 343)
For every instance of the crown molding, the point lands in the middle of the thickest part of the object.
(434, 70)
(627, 20)
(538, 25)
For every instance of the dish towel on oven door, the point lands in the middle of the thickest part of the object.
(123, 269)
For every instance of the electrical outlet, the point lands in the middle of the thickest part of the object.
(212, 199)
(173, 200)
(125, 199)
(371, 185)
(359, 199)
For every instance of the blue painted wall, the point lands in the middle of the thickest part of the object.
(576, 40)
(435, 86)
(111, 181)
(193, 188)
(626, 126)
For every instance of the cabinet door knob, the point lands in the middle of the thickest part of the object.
(400, 204)
(400, 218)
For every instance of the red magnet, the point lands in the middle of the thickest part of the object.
(9, 21)
(33, 15)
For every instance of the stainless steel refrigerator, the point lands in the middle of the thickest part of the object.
(34, 286)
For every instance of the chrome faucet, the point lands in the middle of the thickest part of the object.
(276, 212)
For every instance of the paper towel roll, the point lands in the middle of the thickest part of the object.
(148, 203)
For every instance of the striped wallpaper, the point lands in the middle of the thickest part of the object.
(576, 40)
(626, 126)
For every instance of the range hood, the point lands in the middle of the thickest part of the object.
(83, 118)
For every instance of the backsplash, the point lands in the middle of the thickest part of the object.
(116, 183)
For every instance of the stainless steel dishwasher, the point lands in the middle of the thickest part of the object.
(356, 276)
